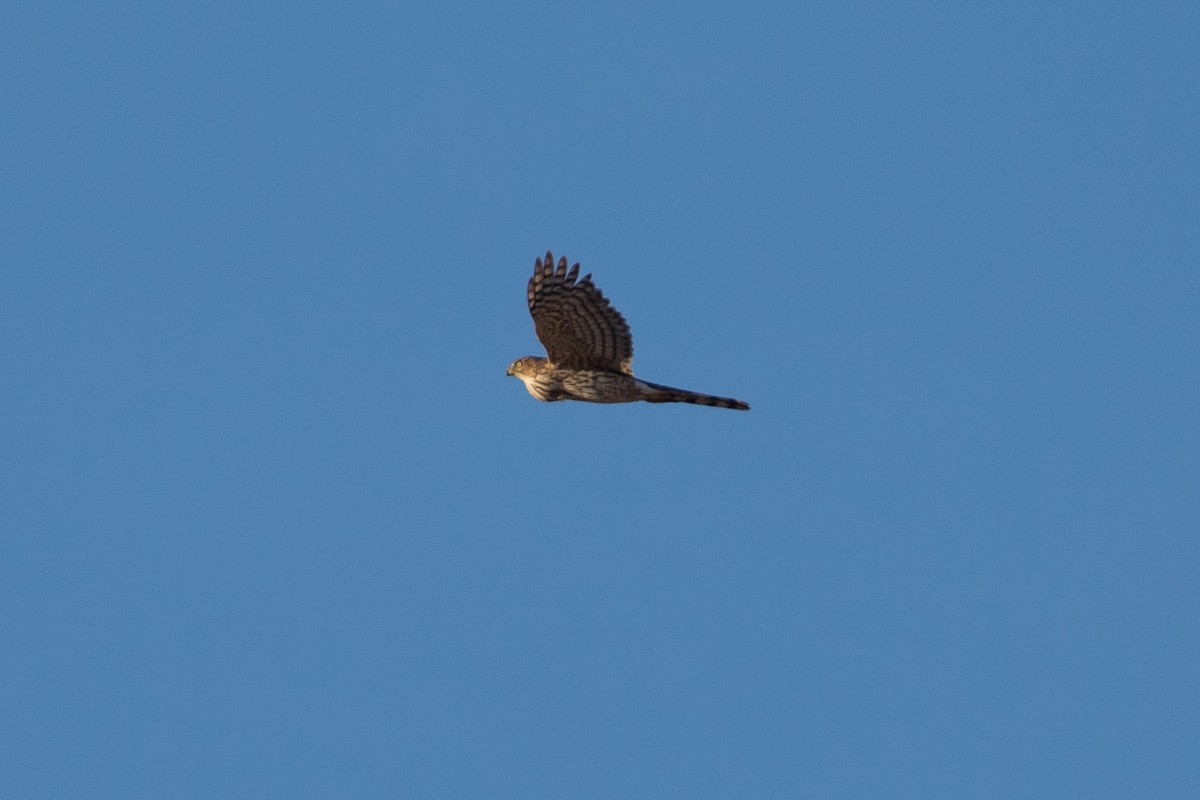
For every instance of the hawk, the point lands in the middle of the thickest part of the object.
(588, 344)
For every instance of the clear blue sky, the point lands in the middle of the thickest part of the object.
(276, 524)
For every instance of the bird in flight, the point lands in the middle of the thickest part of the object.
(589, 346)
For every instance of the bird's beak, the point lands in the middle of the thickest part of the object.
(508, 371)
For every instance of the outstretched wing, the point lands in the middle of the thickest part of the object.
(578, 326)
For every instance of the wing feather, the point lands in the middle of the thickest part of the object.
(575, 321)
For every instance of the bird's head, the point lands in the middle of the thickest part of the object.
(526, 365)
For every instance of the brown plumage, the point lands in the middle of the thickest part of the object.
(589, 346)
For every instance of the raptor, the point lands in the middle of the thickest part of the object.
(588, 345)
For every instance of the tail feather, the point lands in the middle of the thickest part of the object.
(669, 394)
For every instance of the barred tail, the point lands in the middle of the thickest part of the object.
(669, 394)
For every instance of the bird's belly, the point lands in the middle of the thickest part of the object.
(599, 387)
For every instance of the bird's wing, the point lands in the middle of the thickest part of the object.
(578, 326)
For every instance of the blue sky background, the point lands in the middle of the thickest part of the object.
(276, 524)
